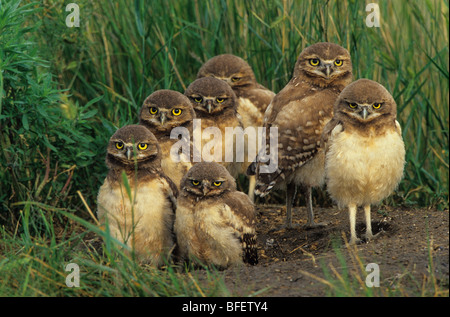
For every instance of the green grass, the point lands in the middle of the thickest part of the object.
(34, 264)
(64, 91)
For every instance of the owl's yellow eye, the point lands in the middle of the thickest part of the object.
(376, 105)
(176, 112)
(220, 100)
(314, 61)
(353, 105)
(153, 110)
(217, 184)
(142, 146)
(338, 62)
(194, 182)
(119, 145)
(235, 79)
(198, 99)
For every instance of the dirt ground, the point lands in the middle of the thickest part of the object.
(292, 261)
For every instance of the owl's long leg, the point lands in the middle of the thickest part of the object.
(311, 223)
(369, 234)
(251, 187)
(352, 212)
(291, 191)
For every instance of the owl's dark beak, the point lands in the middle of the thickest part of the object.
(162, 118)
(209, 105)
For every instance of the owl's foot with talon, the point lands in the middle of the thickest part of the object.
(369, 236)
(354, 241)
(314, 225)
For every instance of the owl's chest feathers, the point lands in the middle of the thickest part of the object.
(365, 168)
(205, 225)
(228, 118)
(207, 216)
(148, 206)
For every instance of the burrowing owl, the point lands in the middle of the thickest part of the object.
(141, 215)
(252, 97)
(365, 153)
(215, 104)
(300, 111)
(215, 223)
(161, 112)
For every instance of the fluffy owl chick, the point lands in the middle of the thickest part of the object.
(215, 223)
(162, 112)
(143, 221)
(299, 112)
(215, 104)
(252, 97)
(365, 153)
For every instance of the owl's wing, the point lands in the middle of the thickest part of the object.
(170, 189)
(327, 131)
(275, 105)
(239, 214)
(300, 124)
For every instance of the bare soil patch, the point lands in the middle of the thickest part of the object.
(412, 251)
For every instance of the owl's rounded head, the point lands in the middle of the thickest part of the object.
(230, 68)
(323, 63)
(365, 101)
(132, 144)
(207, 179)
(166, 109)
(210, 96)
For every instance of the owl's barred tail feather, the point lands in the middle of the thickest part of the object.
(266, 181)
(249, 245)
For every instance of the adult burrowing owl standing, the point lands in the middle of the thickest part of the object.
(252, 97)
(141, 215)
(300, 111)
(365, 153)
(215, 104)
(215, 223)
(161, 112)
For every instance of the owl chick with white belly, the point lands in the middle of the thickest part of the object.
(144, 220)
(365, 153)
(215, 223)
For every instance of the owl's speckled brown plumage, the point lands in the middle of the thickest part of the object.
(161, 112)
(215, 223)
(215, 104)
(252, 97)
(300, 111)
(365, 153)
(145, 220)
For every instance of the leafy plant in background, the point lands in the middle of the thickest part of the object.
(44, 144)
